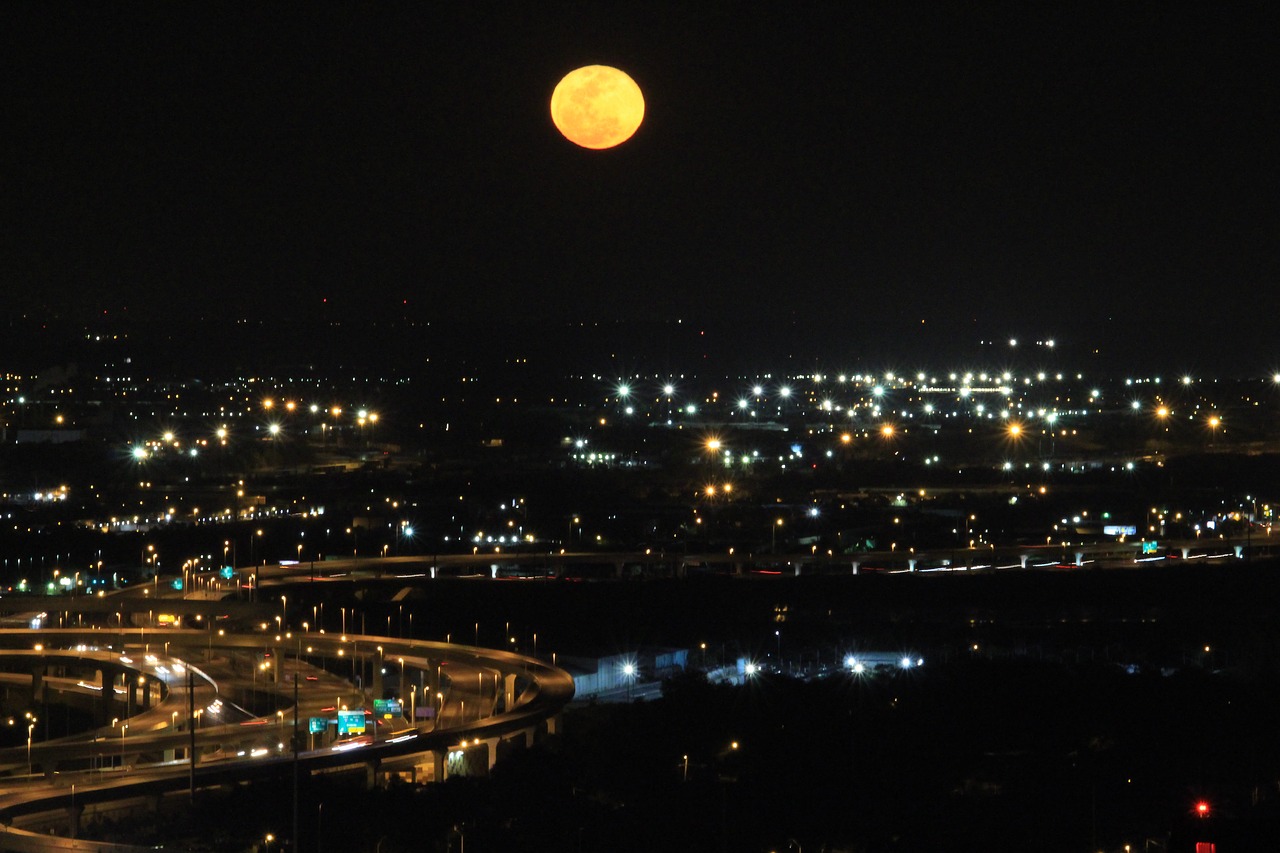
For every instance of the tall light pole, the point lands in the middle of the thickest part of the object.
(31, 727)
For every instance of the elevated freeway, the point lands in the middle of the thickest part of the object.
(193, 708)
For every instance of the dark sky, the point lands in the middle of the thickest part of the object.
(1055, 162)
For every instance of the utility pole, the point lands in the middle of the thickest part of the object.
(295, 759)
(191, 726)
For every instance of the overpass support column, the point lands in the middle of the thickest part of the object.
(438, 765)
(371, 774)
(509, 690)
(375, 664)
(1079, 558)
(106, 698)
(37, 684)
(1186, 552)
(491, 751)
(275, 664)
(853, 566)
(553, 724)
(1239, 549)
(1022, 560)
(911, 564)
(795, 568)
(73, 820)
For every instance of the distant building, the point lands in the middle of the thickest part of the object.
(595, 675)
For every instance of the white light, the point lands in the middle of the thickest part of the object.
(906, 663)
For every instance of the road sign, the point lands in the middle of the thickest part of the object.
(351, 722)
(387, 707)
(317, 725)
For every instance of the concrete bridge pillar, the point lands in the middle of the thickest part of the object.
(1186, 552)
(106, 704)
(371, 774)
(375, 664)
(795, 569)
(553, 724)
(1022, 560)
(509, 690)
(911, 564)
(490, 747)
(1239, 549)
(1079, 558)
(37, 684)
(438, 765)
(73, 820)
(275, 664)
(854, 565)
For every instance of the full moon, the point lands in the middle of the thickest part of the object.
(597, 106)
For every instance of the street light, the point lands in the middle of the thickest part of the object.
(31, 727)
(629, 672)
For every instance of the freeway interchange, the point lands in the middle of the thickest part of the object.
(177, 709)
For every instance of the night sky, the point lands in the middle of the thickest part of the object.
(1041, 163)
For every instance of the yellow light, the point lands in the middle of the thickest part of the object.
(886, 430)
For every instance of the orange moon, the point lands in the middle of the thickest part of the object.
(597, 106)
